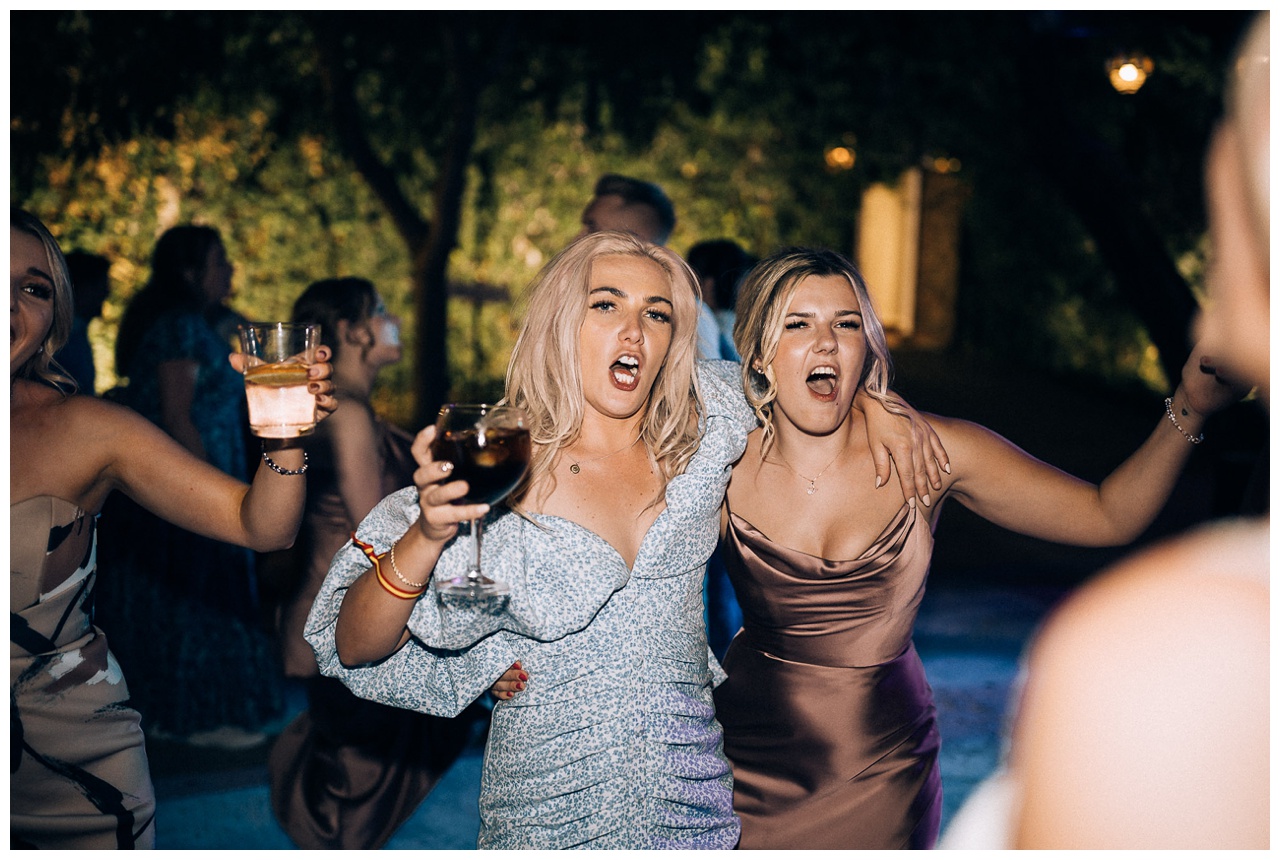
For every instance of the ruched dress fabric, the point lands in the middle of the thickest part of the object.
(828, 718)
(613, 744)
(78, 769)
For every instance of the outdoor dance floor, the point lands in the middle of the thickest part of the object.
(969, 637)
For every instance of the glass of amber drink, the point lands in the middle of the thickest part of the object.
(275, 378)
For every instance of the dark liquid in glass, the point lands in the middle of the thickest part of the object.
(492, 469)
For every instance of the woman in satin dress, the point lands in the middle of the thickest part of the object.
(829, 720)
(78, 767)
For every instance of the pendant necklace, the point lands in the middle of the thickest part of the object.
(813, 482)
(575, 466)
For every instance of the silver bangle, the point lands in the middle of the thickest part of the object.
(281, 470)
(395, 570)
(1168, 410)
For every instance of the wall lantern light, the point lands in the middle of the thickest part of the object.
(839, 158)
(1129, 72)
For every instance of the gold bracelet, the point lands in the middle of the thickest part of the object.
(395, 570)
(1168, 410)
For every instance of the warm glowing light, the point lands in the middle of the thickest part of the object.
(1129, 73)
(942, 164)
(840, 158)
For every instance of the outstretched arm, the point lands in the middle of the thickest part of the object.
(1004, 484)
(171, 482)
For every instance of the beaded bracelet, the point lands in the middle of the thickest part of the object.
(396, 570)
(373, 556)
(281, 470)
(1168, 410)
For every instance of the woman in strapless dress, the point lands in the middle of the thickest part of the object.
(78, 768)
(828, 718)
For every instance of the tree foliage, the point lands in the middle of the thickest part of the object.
(437, 151)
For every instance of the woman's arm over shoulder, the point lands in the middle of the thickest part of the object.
(720, 383)
(1145, 719)
(727, 418)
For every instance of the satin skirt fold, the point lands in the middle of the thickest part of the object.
(831, 757)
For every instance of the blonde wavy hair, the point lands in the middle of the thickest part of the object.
(763, 298)
(42, 365)
(544, 374)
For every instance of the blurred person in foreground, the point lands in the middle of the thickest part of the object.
(1143, 719)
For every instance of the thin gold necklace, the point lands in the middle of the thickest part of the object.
(813, 482)
(575, 466)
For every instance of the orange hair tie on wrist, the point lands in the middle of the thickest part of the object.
(373, 556)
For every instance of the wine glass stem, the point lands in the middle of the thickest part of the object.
(474, 573)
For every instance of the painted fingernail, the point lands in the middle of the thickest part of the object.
(446, 466)
(879, 482)
(925, 498)
(519, 685)
(946, 467)
(523, 676)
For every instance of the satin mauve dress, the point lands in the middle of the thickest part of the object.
(828, 719)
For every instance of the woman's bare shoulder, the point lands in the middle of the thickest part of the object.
(94, 415)
(1226, 563)
(1144, 718)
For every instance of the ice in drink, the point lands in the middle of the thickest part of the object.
(280, 407)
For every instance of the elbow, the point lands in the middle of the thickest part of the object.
(346, 658)
(352, 657)
(1111, 534)
(1126, 535)
(348, 655)
(355, 651)
(272, 543)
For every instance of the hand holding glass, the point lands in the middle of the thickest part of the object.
(275, 378)
(489, 448)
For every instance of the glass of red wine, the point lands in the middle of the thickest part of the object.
(489, 448)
